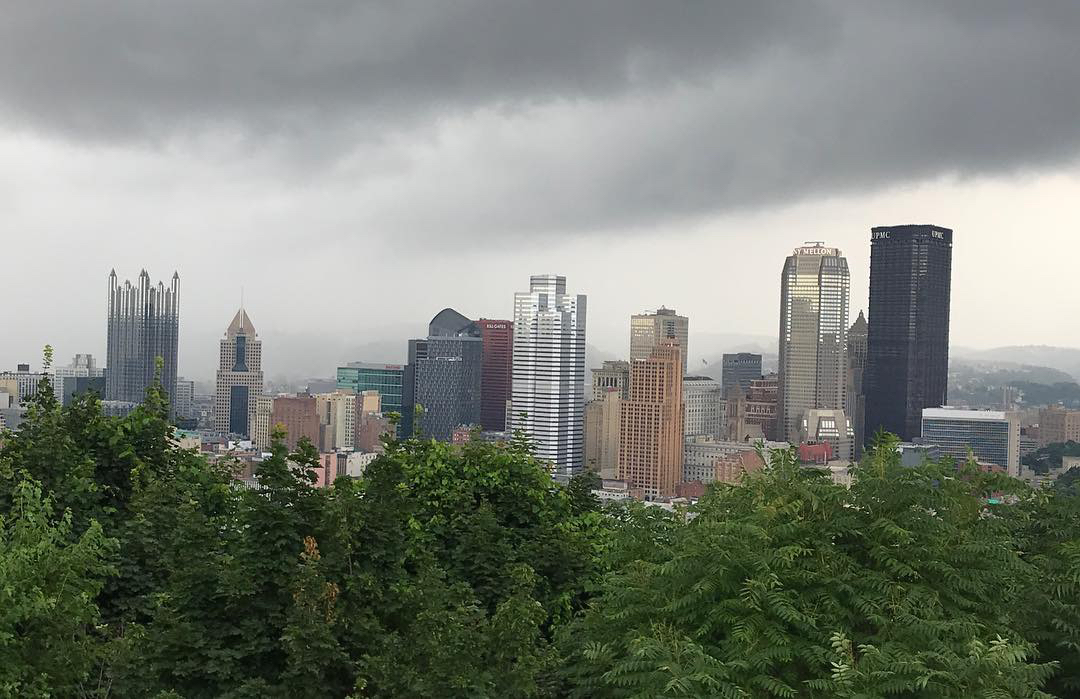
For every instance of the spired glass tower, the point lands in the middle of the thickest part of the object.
(814, 290)
(144, 323)
(907, 359)
(548, 391)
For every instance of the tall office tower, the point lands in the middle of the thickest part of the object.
(703, 400)
(446, 372)
(387, 379)
(993, 436)
(602, 434)
(651, 425)
(907, 359)
(239, 377)
(855, 397)
(498, 341)
(648, 330)
(548, 394)
(740, 369)
(144, 324)
(613, 375)
(82, 375)
(814, 291)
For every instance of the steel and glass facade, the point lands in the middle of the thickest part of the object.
(907, 362)
(548, 393)
(387, 379)
(447, 370)
(739, 369)
(992, 436)
(143, 324)
(814, 291)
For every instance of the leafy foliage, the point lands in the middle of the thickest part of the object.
(132, 568)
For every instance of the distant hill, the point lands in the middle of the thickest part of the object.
(1065, 359)
(979, 383)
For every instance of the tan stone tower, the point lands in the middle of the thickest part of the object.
(239, 377)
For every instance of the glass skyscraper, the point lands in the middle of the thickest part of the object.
(548, 393)
(446, 371)
(387, 379)
(907, 360)
(814, 290)
(143, 324)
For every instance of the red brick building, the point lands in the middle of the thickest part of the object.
(495, 380)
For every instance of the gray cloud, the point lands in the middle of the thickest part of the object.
(483, 119)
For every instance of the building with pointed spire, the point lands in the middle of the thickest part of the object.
(855, 402)
(143, 324)
(239, 377)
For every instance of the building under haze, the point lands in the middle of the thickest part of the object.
(907, 359)
(495, 381)
(143, 325)
(739, 369)
(446, 375)
(81, 376)
(239, 377)
(814, 290)
(703, 401)
(613, 375)
(651, 425)
(648, 330)
(548, 394)
(855, 398)
(387, 379)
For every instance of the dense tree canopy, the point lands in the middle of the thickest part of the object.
(132, 568)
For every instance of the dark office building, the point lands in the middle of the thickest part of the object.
(907, 362)
(855, 397)
(446, 373)
(143, 325)
(739, 370)
(495, 381)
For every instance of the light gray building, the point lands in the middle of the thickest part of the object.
(548, 394)
(614, 375)
(83, 374)
(703, 405)
(143, 324)
(992, 436)
(814, 289)
(648, 330)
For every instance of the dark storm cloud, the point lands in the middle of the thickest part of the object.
(571, 116)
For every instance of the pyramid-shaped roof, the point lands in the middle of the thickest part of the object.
(240, 325)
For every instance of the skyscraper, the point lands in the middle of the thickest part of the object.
(602, 417)
(651, 426)
(239, 377)
(446, 370)
(855, 400)
(143, 324)
(548, 394)
(739, 369)
(648, 330)
(814, 288)
(498, 341)
(907, 360)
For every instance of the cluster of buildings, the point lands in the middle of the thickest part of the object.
(646, 425)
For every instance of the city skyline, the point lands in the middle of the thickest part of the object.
(448, 158)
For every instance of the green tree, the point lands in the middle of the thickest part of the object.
(49, 578)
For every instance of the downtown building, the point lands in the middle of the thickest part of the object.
(81, 376)
(651, 424)
(239, 378)
(855, 397)
(388, 380)
(814, 290)
(907, 360)
(444, 376)
(495, 376)
(739, 369)
(143, 326)
(703, 399)
(992, 437)
(649, 330)
(548, 392)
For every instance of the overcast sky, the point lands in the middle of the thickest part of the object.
(356, 167)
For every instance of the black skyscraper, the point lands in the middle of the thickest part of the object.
(907, 363)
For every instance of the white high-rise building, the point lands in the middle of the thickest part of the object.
(814, 290)
(703, 401)
(548, 393)
(239, 377)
